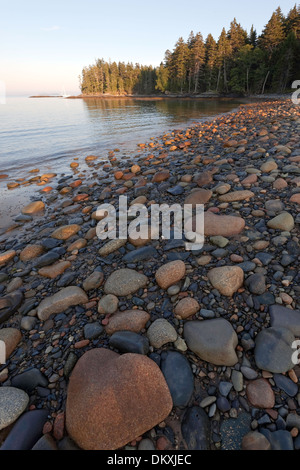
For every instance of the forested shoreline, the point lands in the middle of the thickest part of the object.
(239, 62)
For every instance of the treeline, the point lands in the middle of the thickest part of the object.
(239, 62)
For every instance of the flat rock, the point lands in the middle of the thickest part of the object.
(170, 274)
(214, 341)
(273, 350)
(256, 284)
(161, 332)
(26, 431)
(236, 196)
(282, 317)
(114, 399)
(125, 282)
(233, 431)
(179, 377)
(284, 222)
(29, 380)
(14, 285)
(129, 320)
(255, 441)
(7, 256)
(286, 384)
(108, 304)
(141, 254)
(65, 232)
(200, 196)
(55, 270)
(186, 308)
(111, 247)
(219, 225)
(279, 440)
(61, 301)
(260, 394)
(94, 281)
(93, 330)
(11, 338)
(268, 166)
(196, 429)
(31, 252)
(227, 279)
(203, 179)
(47, 259)
(129, 342)
(33, 208)
(13, 403)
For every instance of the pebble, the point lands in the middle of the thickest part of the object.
(125, 282)
(13, 403)
(161, 332)
(179, 377)
(213, 341)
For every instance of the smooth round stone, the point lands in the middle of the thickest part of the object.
(129, 342)
(173, 290)
(196, 429)
(260, 394)
(273, 350)
(125, 282)
(223, 404)
(160, 333)
(248, 373)
(208, 401)
(255, 441)
(256, 284)
(237, 380)
(219, 241)
(93, 331)
(146, 444)
(27, 323)
(108, 304)
(207, 314)
(286, 384)
(179, 377)
(225, 388)
(13, 403)
(279, 440)
(29, 380)
(169, 274)
(94, 281)
(26, 431)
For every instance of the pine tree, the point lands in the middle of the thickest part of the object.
(252, 39)
(237, 36)
(224, 53)
(211, 54)
(273, 33)
(292, 23)
(197, 58)
(162, 78)
(180, 62)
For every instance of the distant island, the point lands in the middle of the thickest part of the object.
(239, 63)
(46, 96)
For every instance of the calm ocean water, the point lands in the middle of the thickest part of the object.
(47, 133)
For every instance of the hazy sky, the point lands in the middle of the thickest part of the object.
(45, 44)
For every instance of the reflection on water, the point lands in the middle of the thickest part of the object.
(49, 132)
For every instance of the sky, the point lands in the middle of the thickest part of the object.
(45, 44)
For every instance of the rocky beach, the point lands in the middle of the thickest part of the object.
(141, 344)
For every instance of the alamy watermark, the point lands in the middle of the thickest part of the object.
(137, 223)
(295, 99)
(2, 353)
(296, 355)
